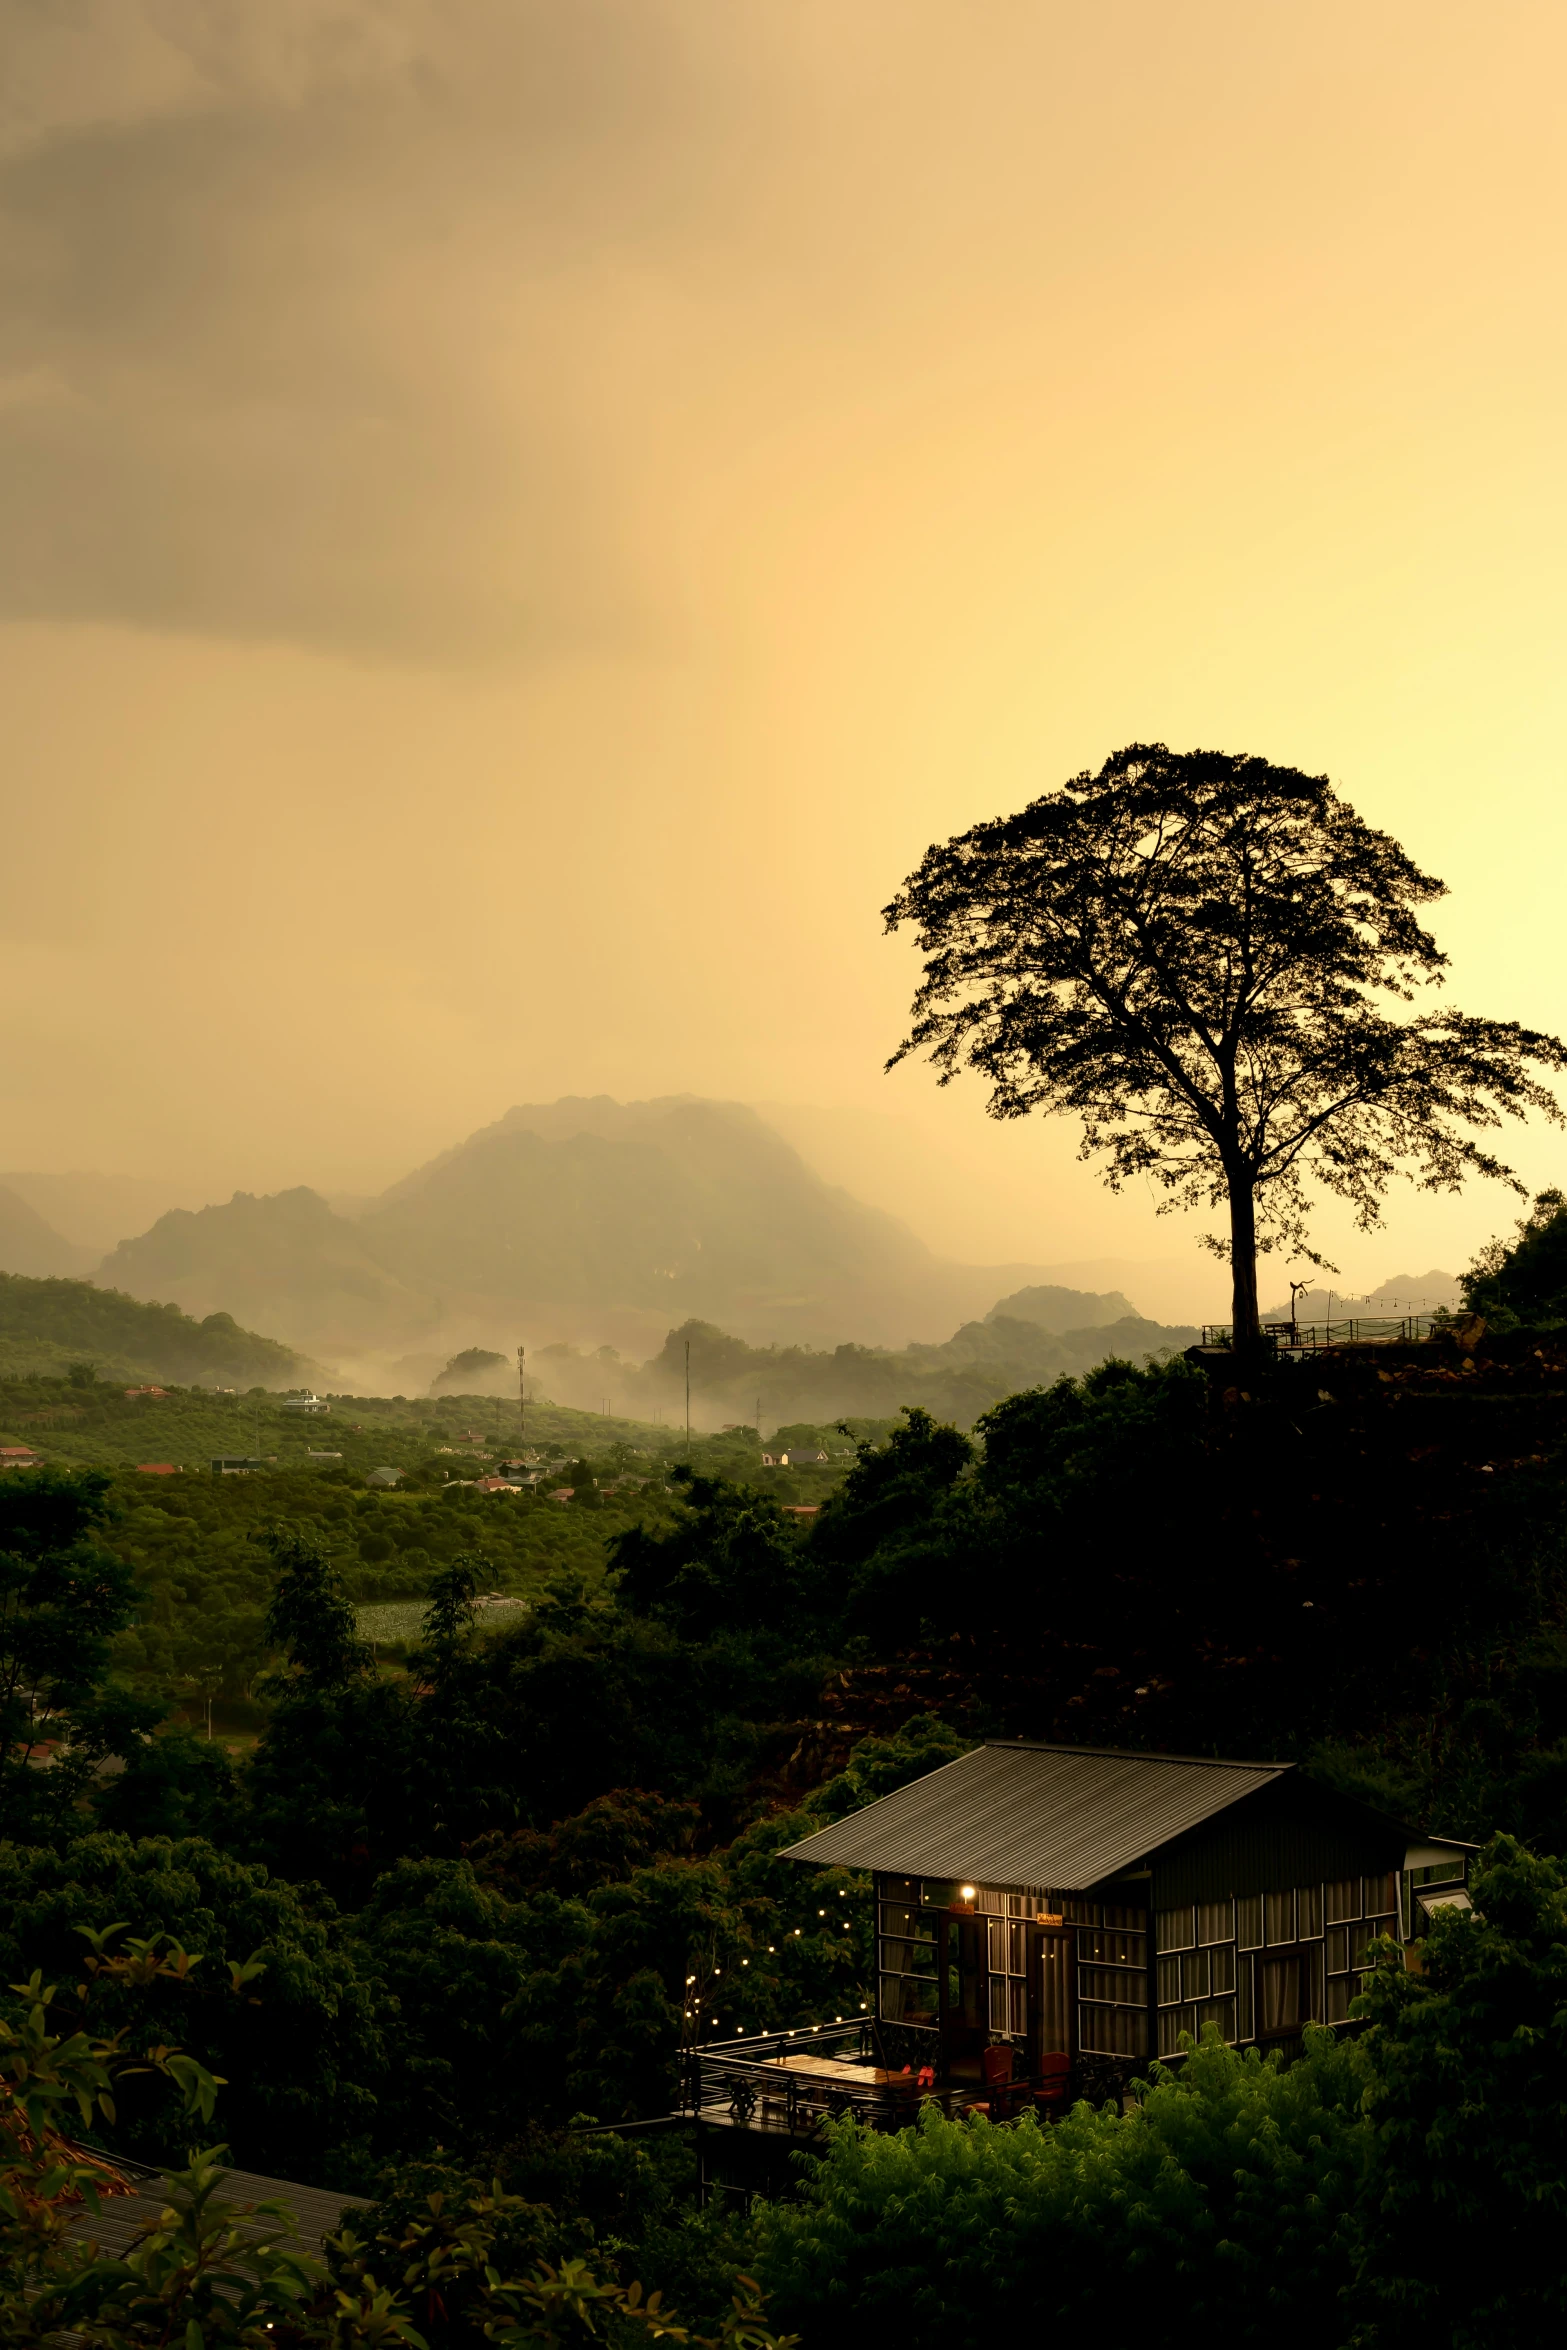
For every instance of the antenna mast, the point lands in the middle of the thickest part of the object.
(522, 1397)
(688, 1399)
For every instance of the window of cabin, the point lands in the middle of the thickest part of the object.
(1442, 1872)
(1007, 1954)
(1215, 1921)
(1112, 1983)
(1197, 1986)
(1367, 1909)
(1278, 1917)
(1207, 1970)
(1381, 1898)
(907, 1955)
(1281, 2006)
(1288, 1992)
(1176, 1929)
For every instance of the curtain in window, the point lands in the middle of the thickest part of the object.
(1280, 1995)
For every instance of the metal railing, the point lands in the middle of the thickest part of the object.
(1361, 1330)
(750, 2083)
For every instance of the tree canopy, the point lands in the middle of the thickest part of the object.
(1206, 958)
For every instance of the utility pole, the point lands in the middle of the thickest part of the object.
(688, 1399)
(522, 1398)
(758, 1419)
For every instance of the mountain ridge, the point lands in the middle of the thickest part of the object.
(569, 1221)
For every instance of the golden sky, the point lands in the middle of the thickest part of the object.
(522, 520)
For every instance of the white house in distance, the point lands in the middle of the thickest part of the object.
(301, 1400)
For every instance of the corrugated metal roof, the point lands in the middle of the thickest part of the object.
(1057, 1817)
(122, 2220)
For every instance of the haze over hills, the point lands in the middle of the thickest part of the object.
(47, 1326)
(93, 1212)
(286, 1262)
(733, 1383)
(588, 1229)
(28, 1244)
(578, 1222)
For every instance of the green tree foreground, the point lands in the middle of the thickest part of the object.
(1405, 2187)
(211, 2271)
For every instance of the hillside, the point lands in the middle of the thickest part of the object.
(285, 1260)
(30, 1245)
(732, 1381)
(98, 1424)
(94, 1212)
(573, 1222)
(661, 1208)
(45, 1325)
(1054, 1308)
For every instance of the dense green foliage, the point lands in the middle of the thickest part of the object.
(467, 2263)
(62, 1598)
(1220, 2206)
(491, 1883)
(1523, 1283)
(1469, 2110)
(303, 2049)
(45, 1324)
(84, 1418)
(1404, 2187)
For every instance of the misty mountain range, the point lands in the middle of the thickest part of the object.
(1026, 1340)
(581, 1221)
(591, 1230)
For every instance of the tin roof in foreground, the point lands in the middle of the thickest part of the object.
(1056, 1817)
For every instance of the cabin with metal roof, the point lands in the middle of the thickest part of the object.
(1050, 1918)
(1086, 1908)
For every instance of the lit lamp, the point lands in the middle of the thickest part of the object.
(965, 1892)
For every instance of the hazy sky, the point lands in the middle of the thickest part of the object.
(520, 522)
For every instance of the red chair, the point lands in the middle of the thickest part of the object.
(997, 2069)
(1053, 2085)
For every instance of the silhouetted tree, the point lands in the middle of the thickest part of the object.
(1201, 956)
(1524, 1280)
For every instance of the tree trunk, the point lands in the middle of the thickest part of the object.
(1246, 1323)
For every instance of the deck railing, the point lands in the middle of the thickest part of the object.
(1361, 1330)
(751, 2083)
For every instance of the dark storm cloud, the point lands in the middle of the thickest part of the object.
(324, 338)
